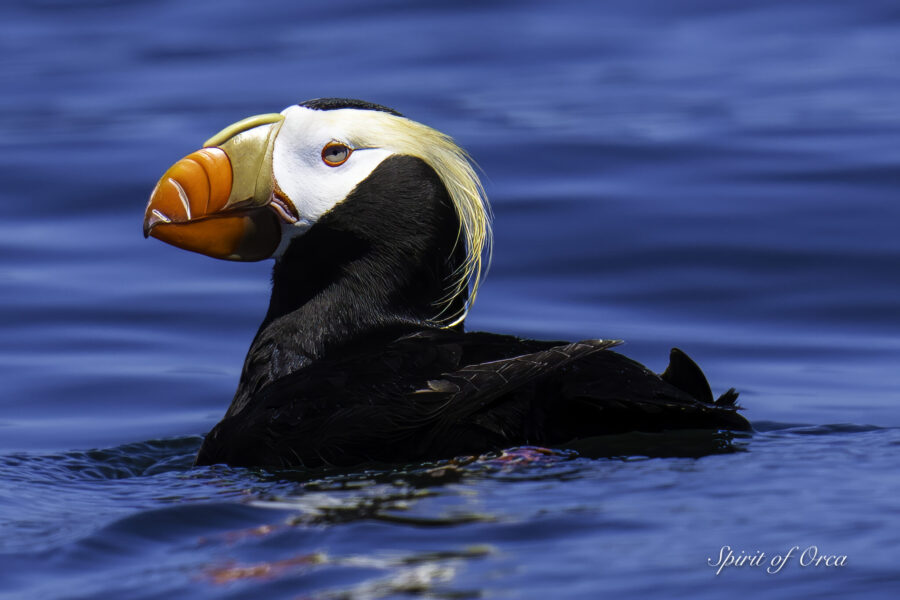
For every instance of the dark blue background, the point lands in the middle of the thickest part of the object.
(718, 177)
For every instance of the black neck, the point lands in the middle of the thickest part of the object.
(379, 261)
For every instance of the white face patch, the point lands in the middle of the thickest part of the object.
(311, 185)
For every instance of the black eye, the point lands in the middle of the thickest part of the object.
(335, 154)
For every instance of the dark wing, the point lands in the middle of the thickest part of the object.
(571, 392)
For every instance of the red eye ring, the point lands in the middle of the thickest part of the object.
(334, 154)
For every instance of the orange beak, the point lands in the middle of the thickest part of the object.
(205, 204)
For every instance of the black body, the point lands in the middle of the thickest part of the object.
(347, 367)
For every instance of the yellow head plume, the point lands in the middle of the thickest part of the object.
(455, 169)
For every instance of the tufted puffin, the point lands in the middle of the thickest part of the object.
(380, 231)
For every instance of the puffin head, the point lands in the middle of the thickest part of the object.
(259, 185)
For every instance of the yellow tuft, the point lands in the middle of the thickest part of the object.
(455, 169)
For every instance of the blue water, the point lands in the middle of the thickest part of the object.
(718, 177)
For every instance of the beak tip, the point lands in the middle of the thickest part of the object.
(152, 218)
(149, 222)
